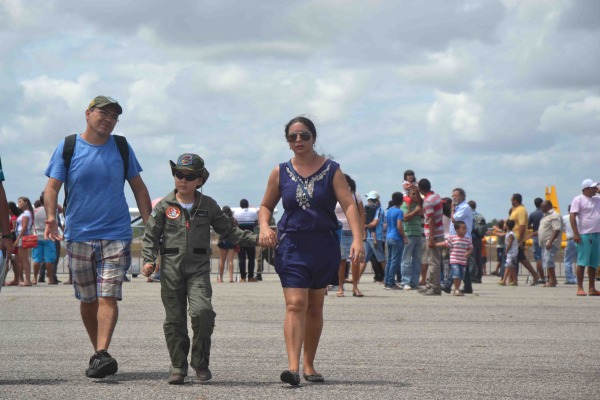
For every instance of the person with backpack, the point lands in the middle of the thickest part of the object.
(93, 167)
(477, 235)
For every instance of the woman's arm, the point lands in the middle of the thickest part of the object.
(267, 237)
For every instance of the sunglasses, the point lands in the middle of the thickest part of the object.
(305, 136)
(187, 177)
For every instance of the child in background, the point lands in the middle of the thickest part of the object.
(500, 234)
(511, 250)
(460, 249)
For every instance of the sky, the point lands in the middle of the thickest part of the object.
(496, 97)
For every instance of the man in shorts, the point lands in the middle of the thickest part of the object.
(518, 214)
(98, 232)
(585, 221)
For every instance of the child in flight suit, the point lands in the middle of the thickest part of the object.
(182, 219)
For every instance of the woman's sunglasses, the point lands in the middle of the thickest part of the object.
(305, 136)
(187, 177)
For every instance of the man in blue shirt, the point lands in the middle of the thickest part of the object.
(98, 232)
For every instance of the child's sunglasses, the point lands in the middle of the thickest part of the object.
(187, 177)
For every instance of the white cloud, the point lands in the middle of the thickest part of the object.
(573, 117)
(457, 116)
(44, 90)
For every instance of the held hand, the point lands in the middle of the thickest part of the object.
(267, 238)
(51, 231)
(357, 251)
(576, 238)
(148, 269)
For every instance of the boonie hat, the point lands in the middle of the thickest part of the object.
(372, 195)
(103, 101)
(588, 183)
(189, 162)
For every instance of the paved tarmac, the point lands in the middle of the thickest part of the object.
(499, 343)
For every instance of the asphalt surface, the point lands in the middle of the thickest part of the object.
(499, 343)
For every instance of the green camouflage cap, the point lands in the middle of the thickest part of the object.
(188, 162)
(103, 101)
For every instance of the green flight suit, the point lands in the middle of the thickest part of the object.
(183, 240)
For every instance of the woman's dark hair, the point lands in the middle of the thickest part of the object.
(28, 202)
(501, 224)
(303, 120)
(351, 183)
(409, 172)
(227, 211)
(12, 206)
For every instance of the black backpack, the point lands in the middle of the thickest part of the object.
(69, 150)
(479, 226)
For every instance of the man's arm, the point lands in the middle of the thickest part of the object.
(50, 199)
(142, 197)
(573, 220)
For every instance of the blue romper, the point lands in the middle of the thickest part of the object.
(308, 253)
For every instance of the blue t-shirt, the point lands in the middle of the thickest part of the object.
(96, 205)
(392, 216)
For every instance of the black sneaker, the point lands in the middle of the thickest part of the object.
(101, 365)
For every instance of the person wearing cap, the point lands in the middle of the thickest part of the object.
(179, 230)
(98, 233)
(585, 221)
(374, 220)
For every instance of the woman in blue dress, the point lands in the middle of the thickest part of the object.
(307, 254)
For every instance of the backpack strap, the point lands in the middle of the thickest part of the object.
(124, 151)
(67, 154)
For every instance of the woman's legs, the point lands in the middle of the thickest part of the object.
(222, 256)
(16, 270)
(296, 306)
(230, 254)
(25, 264)
(355, 269)
(313, 328)
(342, 276)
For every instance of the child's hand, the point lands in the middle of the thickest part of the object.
(148, 269)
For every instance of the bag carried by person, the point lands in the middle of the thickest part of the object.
(29, 241)
(479, 226)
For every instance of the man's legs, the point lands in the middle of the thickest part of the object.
(100, 318)
(242, 263)
(538, 257)
(523, 260)
(434, 261)
(407, 259)
(251, 252)
(570, 256)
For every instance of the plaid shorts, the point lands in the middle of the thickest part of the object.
(98, 268)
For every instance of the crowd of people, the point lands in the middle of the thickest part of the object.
(433, 244)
